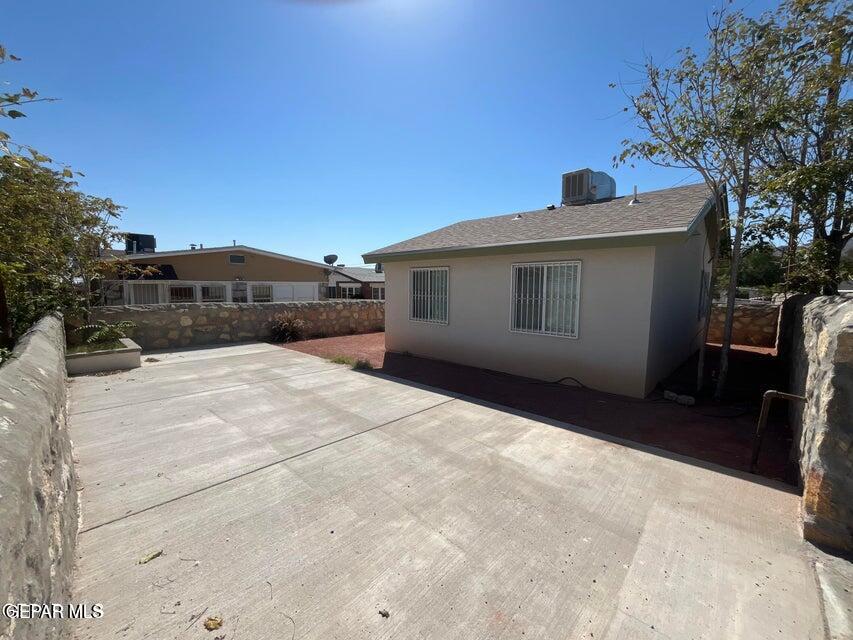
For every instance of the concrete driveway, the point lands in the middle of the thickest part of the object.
(295, 498)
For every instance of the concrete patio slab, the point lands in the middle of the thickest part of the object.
(308, 503)
(205, 429)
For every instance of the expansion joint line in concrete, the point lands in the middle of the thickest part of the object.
(229, 387)
(265, 466)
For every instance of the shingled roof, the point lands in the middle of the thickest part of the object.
(361, 274)
(666, 211)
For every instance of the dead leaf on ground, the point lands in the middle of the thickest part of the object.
(150, 557)
(213, 623)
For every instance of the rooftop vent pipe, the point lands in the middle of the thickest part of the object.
(634, 200)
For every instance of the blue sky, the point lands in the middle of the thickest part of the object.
(334, 126)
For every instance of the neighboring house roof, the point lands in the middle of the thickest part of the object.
(164, 272)
(360, 274)
(673, 210)
(112, 253)
(229, 249)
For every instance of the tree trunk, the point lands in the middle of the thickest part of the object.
(794, 228)
(835, 238)
(732, 291)
(834, 248)
(5, 319)
(712, 285)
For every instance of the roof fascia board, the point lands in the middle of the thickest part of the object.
(704, 211)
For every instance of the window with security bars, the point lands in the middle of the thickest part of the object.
(213, 293)
(545, 298)
(261, 293)
(145, 293)
(429, 294)
(180, 293)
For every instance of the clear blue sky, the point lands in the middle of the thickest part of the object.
(334, 126)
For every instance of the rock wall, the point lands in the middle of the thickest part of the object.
(755, 323)
(821, 369)
(38, 493)
(168, 326)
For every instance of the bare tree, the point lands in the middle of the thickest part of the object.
(710, 113)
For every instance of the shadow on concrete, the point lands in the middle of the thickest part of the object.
(717, 433)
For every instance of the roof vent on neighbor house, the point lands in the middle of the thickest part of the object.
(586, 185)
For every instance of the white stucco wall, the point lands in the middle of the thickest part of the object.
(610, 352)
(676, 324)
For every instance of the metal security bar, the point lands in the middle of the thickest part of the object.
(213, 293)
(120, 292)
(181, 293)
(261, 293)
(545, 298)
(429, 294)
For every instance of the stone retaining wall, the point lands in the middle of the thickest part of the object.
(167, 326)
(821, 369)
(38, 493)
(755, 323)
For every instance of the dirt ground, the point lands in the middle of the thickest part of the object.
(719, 433)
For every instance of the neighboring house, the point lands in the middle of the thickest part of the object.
(219, 274)
(357, 282)
(609, 292)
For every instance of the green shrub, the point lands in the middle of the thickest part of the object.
(101, 332)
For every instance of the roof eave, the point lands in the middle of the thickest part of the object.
(645, 234)
(239, 247)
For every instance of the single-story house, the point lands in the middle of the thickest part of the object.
(367, 283)
(605, 291)
(236, 273)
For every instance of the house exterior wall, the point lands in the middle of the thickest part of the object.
(215, 266)
(676, 323)
(610, 352)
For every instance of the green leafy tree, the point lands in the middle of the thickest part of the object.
(52, 233)
(52, 237)
(806, 173)
(761, 266)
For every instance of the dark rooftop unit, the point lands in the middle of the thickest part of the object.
(139, 243)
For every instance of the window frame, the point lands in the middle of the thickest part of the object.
(345, 287)
(213, 285)
(377, 287)
(186, 287)
(411, 301)
(252, 287)
(237, 263)
(577, 310)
